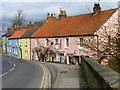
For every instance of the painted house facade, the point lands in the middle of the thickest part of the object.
(5, 40)
(68, 34)
(25, 42)
(14, 48)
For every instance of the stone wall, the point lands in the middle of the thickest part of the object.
(98, 76)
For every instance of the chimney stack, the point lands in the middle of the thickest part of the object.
(96, 9)
(62, 14)
(16, 27)
(9, 29)
(30, 26)
(50, 17)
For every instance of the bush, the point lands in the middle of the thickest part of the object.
(115, 64)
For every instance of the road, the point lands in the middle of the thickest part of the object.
(23, 74)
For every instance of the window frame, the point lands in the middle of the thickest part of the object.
(46, 42)
(26, 53)
(67, 43)
(81, 42)
(25, 42)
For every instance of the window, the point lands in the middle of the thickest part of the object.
(25, 42)
(56, 44)
(66, 43)
(109, 41)
(56, 41)
(14, 51)
(10, 42)
(46, 42)
(16, 42)
(81, 41)
(10, 49)
(26, 53)
(20, 43)
(37, 42)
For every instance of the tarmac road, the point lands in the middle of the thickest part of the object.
(22, 73)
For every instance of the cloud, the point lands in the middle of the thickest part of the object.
(36, 11)
(59, 0)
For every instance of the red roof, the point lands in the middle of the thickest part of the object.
(76, 25)
(18, 34)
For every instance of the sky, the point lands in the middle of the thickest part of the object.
(36, 10)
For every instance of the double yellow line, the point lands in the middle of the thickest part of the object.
(45, 77)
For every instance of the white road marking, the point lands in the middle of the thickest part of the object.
(12, 69)
(4, 74)
(14, 65)
(9, 70)
(9, 61)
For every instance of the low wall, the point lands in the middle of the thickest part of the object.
(98, 76)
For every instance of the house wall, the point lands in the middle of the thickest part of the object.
(14, 48)
(110, 27)
(4, 44)
(25, 48)
(72, 50)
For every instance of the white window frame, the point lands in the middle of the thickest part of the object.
(25, 42)
(16, 42)
(79, 45)
(67, 46)
(20, 42)
(16, 51)
(10, 49)
(10, 42)
(56, 43)
(26, 53)
(46, 42)
(36, 42)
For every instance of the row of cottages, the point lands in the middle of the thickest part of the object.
(67, 35)
(19, 42)
(62, 39)
(5, 39)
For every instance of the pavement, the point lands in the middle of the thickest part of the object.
(67, 76)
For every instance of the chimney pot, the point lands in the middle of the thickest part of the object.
(52, 17)
(30, 25)
(96, 9)
(16, 27)
(62, 14)
(9, 29)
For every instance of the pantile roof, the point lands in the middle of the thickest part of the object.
(29, 33)
(18, 34)
(8, 34)
(77, 25)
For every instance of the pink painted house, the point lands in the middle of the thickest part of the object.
(69, 34)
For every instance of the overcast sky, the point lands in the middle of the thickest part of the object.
(36, 10)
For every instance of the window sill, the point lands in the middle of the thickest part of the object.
(66, 47)
(80, 47)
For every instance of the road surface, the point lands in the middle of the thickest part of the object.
(23, 74)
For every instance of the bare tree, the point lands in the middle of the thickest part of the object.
(44, 53)
(107, 42)
(19, 19)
